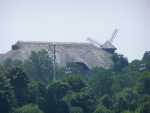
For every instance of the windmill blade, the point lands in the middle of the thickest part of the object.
(113, 35)
(93, 42)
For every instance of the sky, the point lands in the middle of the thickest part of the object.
(75, 20)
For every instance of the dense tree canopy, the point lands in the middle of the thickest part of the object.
(27, 87)
(7, 100)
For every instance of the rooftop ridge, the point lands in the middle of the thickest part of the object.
(46, 42)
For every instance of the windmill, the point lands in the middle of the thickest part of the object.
(107, 46)
(114, 34)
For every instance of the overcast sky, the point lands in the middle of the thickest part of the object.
(75, 20)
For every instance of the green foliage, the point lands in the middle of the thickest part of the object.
(84, 100)
(39, 66)
(24, 87)
(127, 111)
(106, 101)
(136, 65)
(19, 81)
(58, 89)
(120, 62)
(7, 100)
(144, 83)
(144, 107)
(102, 109)
(146, 60)
(76, 110)
(38, 93)
(54, 102)
(126, 100)
(101, 82)
(75, 83)
(29, 108)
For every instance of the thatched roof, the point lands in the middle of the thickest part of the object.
(66, 52)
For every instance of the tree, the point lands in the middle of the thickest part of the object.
(106, 101)
(29, 108)
(146, 60)
(126, 111)
(58, 89)
(9, 63)
(120, 62)
(84, 100)
(55, 103)
(7, 99)
(102, 109)
(76, 110)
(126, 100)
(144, 107)
(101, 82)
(136, 65)
(38, 94)
(75, 83)
(19, 81)
(39, 67)
(144, 83)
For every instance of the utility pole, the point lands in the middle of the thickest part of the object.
(52, 47)
(54, 62)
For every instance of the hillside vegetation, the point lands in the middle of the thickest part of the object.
(28, 87)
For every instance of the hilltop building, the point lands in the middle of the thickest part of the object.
(86, 54)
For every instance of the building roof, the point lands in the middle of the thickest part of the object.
(66, 52)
